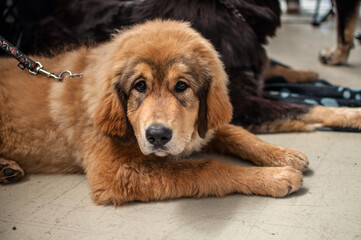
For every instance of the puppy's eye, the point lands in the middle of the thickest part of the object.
(180, 86)
(141, 86)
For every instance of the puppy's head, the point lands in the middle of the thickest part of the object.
(166, 85)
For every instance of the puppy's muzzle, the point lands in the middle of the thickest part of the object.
(158, 135)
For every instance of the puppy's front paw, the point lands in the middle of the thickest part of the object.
(287, 180)
(279, 157)
(275, 181)
(283, 181)
(295, 159)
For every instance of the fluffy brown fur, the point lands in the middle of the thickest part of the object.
(161, 73)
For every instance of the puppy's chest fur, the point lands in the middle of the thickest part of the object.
(198, 143)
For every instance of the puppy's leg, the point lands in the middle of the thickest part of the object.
(291, 75)
(347, 15)
(231, 139)
(10, 171)
(120, 177)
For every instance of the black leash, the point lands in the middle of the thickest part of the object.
(34, 67)
(24, 61)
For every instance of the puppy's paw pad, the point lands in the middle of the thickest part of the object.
(10, 172)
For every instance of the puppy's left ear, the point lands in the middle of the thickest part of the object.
(217, 110)
(111, 115)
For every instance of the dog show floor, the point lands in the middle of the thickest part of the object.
(327, 207)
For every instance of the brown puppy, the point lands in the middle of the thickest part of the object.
(156, 92)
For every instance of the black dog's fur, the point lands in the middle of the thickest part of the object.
(347, 15)
(345, 9)
(239, 42)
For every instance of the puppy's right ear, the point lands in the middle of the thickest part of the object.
(111, 114)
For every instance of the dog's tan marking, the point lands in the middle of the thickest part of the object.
(319, 116)
(291, 75)
(334, 117)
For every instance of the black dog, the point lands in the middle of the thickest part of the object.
(237, 28)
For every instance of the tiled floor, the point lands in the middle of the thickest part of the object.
(327, 207)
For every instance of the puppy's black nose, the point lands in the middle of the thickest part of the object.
(158, 135)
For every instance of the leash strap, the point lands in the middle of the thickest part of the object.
(34, 67)
(24, 61)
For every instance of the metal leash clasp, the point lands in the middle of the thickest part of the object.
(60, 77)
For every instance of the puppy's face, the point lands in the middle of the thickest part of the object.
(168, 86)
(162, 103)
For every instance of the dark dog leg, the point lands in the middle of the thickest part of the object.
(261, 115)
(347, 15)
(289, 74)
(317, 117)
(10, 171)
